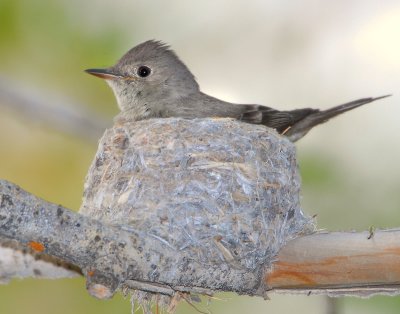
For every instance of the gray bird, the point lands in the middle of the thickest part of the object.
(150, 81)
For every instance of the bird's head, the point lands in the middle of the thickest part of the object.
(148, 73)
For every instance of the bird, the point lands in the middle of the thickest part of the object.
(150, 81)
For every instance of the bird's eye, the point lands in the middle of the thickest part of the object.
(143, 71)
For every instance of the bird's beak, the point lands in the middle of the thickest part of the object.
(104, 74)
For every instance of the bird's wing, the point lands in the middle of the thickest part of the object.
(279, 120)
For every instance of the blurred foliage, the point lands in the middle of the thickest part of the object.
(377, 304)
(61, 296)
(337, 195)
(44, 42)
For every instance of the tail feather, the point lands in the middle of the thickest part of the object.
(301, 128)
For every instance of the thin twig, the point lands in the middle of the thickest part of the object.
(55, 112)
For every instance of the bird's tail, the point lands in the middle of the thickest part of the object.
(299, 129)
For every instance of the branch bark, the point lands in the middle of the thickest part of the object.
(105, 254)
(337, 263)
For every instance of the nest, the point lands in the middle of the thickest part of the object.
(217, 194)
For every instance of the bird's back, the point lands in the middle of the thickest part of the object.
(201, 105)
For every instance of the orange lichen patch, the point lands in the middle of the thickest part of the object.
(90, 273)
(294, 277)
(36, 246)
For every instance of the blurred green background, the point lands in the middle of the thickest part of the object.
(280, 53)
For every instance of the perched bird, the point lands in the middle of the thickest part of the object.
(150, 81)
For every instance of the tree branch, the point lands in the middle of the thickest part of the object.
(104, 253)
(19, 261)
(337, 263)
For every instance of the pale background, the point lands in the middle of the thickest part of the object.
(286, 54)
